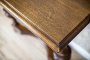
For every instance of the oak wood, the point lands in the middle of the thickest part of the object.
(56, 22)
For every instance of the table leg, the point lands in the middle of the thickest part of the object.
(65, 54)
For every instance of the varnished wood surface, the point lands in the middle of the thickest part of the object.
(57, 20)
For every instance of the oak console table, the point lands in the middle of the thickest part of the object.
(56, 22)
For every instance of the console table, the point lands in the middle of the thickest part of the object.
(56, 22)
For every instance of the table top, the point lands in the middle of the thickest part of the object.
(56, 22)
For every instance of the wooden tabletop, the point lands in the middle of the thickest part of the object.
(56, 22)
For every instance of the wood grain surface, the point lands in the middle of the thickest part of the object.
(56, 22)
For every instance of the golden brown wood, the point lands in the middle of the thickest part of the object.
(56, 22)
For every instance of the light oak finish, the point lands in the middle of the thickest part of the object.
(56, 22)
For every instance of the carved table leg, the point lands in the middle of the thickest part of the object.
(65, 54)
(50, 54)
